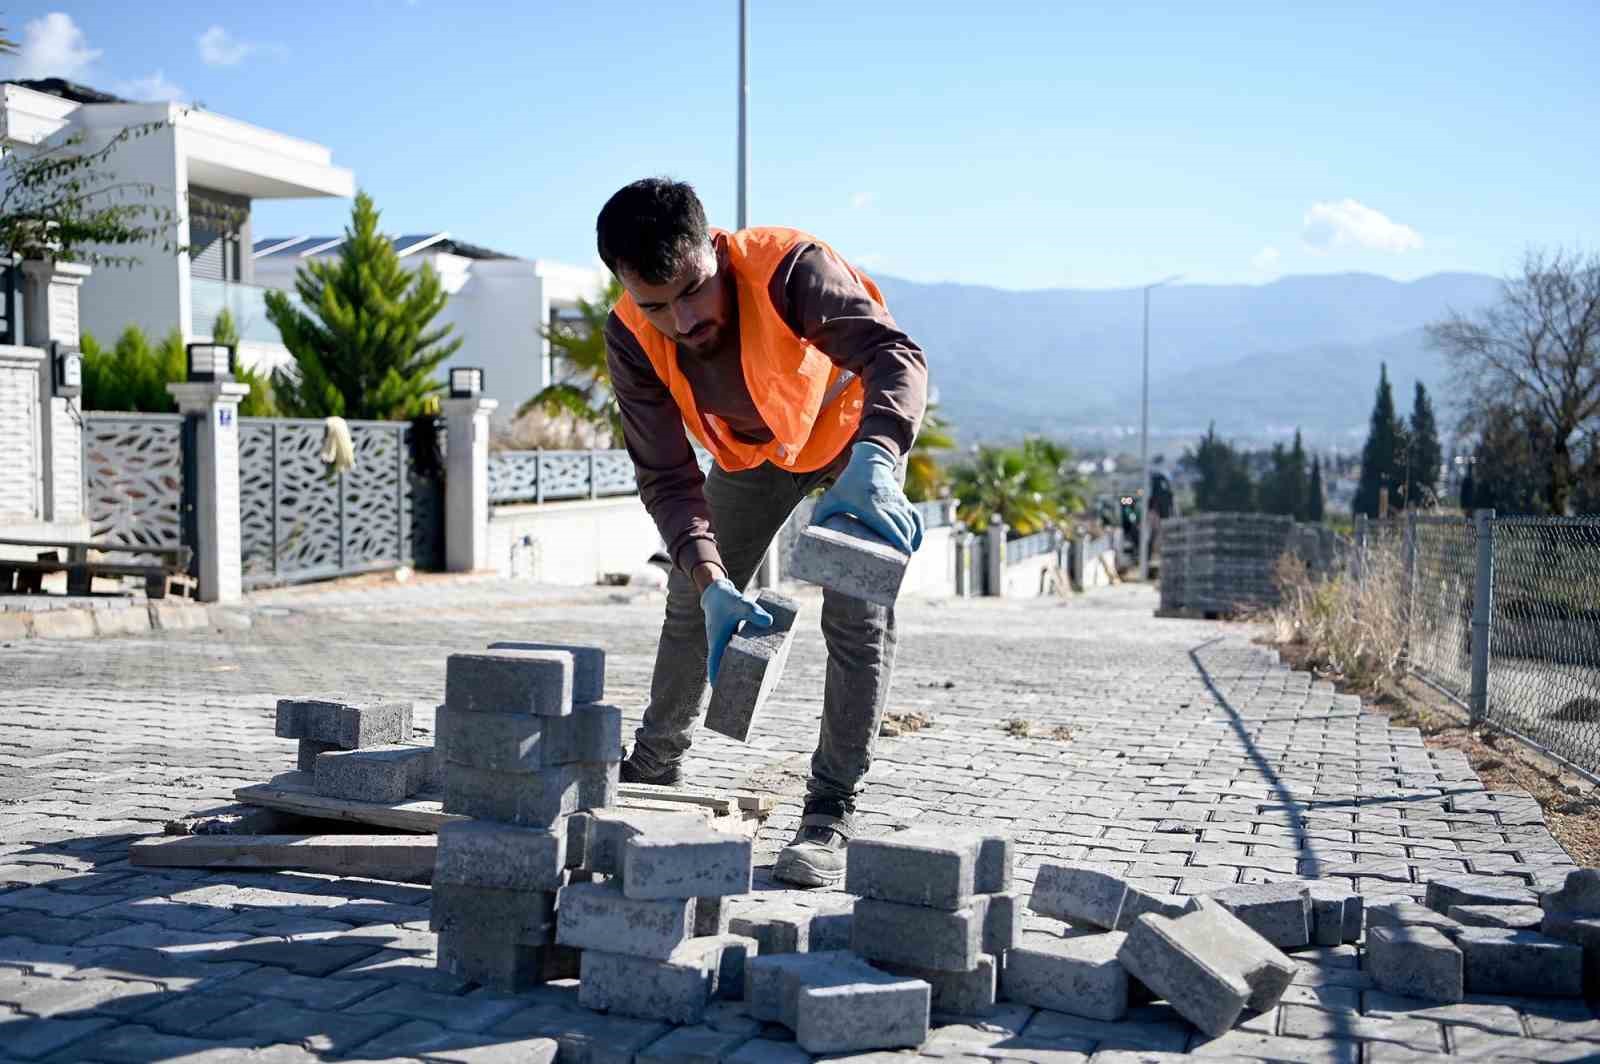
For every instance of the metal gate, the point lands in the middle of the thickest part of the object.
(133, 479)
(301, 521)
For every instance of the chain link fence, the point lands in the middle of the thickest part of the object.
(1503, 616)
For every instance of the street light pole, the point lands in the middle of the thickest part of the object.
(1144, 436)
(744, 94)
(768, 572)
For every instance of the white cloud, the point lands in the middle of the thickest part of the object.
(151, 87)
(1266, 259)
(1347, 222)
(53, 47)
(860, 200)
(219, 48)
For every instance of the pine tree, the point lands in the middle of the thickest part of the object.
(1424, 453)
(1224, 484)
(1275, 494)
(1315, 496)
(365, 350)
(1379, 452)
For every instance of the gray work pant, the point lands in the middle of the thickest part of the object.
(747, 510)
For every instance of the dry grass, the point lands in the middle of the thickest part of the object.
(1018, 727)
(903, 723)
(1349, 631)
(1353, 635)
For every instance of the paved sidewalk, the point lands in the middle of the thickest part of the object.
(1193, 761)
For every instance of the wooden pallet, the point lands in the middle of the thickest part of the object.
(294, 792)
(407, 857)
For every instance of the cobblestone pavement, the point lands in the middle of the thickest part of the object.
(1177, 750)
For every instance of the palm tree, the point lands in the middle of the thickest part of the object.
(1009, 482)
(924, 476)
(1071, 490)
(583, 388)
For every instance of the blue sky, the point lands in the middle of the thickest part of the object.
(1021, 145)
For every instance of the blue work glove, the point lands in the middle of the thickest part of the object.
(869, 491)
(724, 608)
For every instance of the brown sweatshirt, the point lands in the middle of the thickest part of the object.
(820, 300)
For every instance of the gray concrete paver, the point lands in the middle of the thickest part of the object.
(1195, 762)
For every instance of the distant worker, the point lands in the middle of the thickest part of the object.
(782, 360)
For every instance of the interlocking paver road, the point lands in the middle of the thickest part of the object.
(1178, 751)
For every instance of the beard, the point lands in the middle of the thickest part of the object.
(703, 341)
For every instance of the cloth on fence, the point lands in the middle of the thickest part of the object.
(338, 449)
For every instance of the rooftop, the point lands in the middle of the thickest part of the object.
(66, 90)
(299, 247)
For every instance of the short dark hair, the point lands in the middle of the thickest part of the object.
(651, 227)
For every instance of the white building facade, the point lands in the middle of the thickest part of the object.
(499, 304)
(193, 160)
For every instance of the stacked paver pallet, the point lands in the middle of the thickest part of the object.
(525, 743)
(1225, 562)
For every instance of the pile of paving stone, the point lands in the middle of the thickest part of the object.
(1213, 957)
(1486, 935)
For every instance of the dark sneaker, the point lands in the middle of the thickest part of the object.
(629, 772)
(816, 857)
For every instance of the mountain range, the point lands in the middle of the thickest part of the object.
(1258, 360)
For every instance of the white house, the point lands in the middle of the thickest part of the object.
(498, 302)
(195, 159)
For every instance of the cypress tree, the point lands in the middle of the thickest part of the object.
(365, 349)
(1315, 504)
(1424, 453)
(1295, 488)
(1378, 453)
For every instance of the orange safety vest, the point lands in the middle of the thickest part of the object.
(812, 407)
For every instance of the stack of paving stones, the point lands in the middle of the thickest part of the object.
(659, 881)
(936, 910)
(525, 742)
(357, 751)
(1224, 562)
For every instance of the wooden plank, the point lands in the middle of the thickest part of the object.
(408, 858)
(295, 792)
(723, 804)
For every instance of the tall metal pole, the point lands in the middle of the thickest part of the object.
(1144, 448)
(769, 572)
(1144, 436)
(744, 95)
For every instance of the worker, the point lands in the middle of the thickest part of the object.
(782, 360)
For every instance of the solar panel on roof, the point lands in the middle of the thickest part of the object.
(310, 243)
(415, 241)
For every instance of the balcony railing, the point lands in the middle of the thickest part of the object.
(246, 302)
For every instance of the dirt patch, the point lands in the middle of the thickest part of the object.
(1061, 733)
(903, 723)
(1571, 805)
